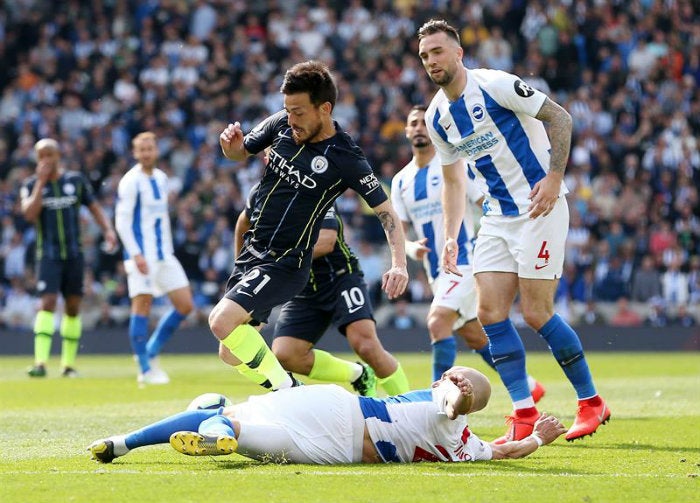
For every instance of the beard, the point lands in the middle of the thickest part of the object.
(303, 136)
(420, 141)
(446, 78)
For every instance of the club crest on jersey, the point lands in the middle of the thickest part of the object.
(69, 188)
(478, 113)
(522, 89)
(319, 164)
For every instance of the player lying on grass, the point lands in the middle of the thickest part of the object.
(325, 424)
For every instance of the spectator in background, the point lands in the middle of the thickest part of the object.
(683, 318)
(646, 281)
(658, 316)
(625, 316)
(674, 284)
(400, 318)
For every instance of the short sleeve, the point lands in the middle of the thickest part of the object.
(262, 135)
(514, 94)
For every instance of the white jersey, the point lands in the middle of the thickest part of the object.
(493, 126)
(410, 428)
(141, 215)
(416, 195)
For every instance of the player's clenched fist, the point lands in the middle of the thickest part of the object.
(231, 141)
(395, 281)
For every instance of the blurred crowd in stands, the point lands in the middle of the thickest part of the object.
(92, 74)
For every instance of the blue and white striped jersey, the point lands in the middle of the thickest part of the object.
(416, 195)
(141, 215)
(493, 127)
(410, 428)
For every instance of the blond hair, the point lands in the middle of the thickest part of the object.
(49, 143)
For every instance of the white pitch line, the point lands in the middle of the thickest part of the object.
(355, 473)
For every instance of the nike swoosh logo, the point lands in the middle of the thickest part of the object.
(282, 135)
(448, 126)
(243, 293)
(601, 417)
(354, 309)
(496, 360)
(538, 267)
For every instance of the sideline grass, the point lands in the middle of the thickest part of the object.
(650, 451)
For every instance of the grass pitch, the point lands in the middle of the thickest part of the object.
(650, 451)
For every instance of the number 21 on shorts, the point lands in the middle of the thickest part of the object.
(253, 275)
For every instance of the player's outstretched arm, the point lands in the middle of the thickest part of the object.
(547, 430)
(231, 141)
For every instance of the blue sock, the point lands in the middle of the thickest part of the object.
(566, 348)
(217, 425)
(485, 353)
(164, 331)
(508, 355)
(138, 335)
(444, 354)
(159, 433)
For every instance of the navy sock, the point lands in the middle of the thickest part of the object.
(485, 353)
(167, 325)
(566, 348)
(138, 336)
(508, 355)
(444, 354)
(159, 432)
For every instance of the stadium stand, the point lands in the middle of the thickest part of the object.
(93, 74)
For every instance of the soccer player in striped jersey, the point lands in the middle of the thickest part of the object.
(143, 224)
(416, 193)
(311, 162)
(52, 199)
(495, 121)
(335, 294)
(325, 424)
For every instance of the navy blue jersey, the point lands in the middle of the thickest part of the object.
(58, 224)
(327, 269)
(300, 183)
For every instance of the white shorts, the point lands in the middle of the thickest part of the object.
(163, 277)
(320, 424)
(533, 249)
(457, 293)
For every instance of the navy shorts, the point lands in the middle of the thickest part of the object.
(259, 286)
(56, 275)
(339, 303)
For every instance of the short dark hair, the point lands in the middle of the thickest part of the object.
(418, 107)
(314, 78)
(436, 26)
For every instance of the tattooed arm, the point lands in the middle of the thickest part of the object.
(546, 192)
(395, 280)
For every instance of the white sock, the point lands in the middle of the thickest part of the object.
(119, 442)
(357, 372)
(531, 382)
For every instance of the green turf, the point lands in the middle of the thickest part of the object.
(650, 451)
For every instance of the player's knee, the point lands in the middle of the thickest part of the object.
(438, 327)
(535, 318)
(219, 324)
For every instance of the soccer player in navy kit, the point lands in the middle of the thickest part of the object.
(335, 294)
(52, 199)
(311, 163)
